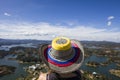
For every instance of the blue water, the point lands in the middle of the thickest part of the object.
(101, 69)
(19, 68)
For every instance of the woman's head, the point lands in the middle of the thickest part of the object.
(64, 55)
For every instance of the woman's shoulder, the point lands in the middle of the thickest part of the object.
(42, 76)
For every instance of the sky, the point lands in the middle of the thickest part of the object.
(92, 20)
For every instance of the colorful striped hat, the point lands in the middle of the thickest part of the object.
(63, 55)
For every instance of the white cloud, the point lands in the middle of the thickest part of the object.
(111, 17)
(7, 14)
(46, 31)
(109, 23)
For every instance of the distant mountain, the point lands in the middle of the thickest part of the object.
(25, 41)
(101, 43)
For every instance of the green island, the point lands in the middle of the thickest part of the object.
(4, 70)
(96, 64)
(86, 75)
(115, 72)
(92, 64)
(118, 65)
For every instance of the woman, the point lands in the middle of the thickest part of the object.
(64, 58)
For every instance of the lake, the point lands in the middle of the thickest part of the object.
(20, 71)
(19, 68)
(101, 69)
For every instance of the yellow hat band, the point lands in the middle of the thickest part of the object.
(61, 43)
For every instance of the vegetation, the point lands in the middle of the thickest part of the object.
(115, 59)
(115, 72)
(26, 55)
(109, 50)
(105, 63)
(92, 64)
(4, 70)
(34, 74)
(3, 53)
(90, 76)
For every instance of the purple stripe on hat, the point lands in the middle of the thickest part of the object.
(62, 63)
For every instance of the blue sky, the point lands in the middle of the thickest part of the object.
(45, 19)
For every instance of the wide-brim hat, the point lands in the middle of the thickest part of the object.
(64, 55)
